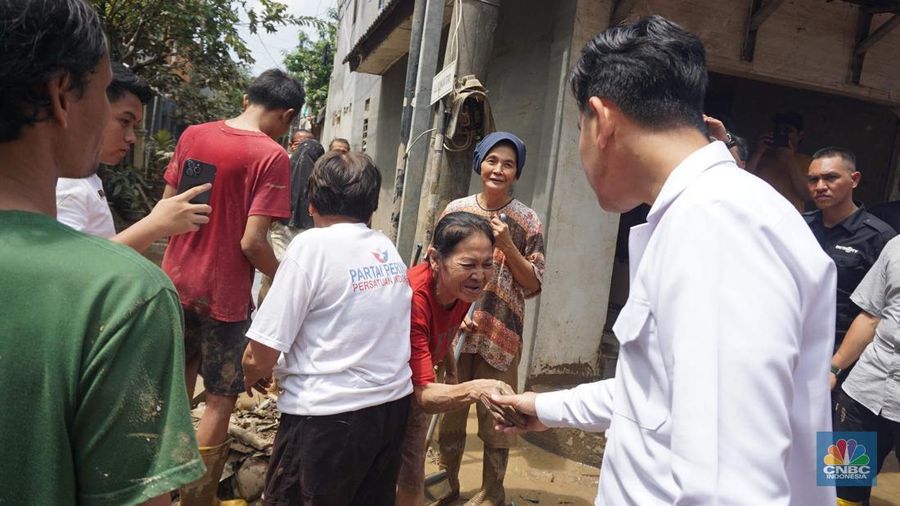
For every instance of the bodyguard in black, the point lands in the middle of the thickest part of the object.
(850, 235)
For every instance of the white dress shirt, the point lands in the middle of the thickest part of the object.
(81, 204)
(722, 377)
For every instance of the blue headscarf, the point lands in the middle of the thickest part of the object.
(491, 140)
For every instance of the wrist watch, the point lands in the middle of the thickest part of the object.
(729, 140)
(836, 370)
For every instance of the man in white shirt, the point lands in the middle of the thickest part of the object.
(338, 316)
(721, 382)
(81, 203)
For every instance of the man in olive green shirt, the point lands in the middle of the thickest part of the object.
(94, 409)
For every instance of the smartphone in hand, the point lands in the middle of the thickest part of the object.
(195, 173)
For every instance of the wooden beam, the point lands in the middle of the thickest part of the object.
(759, 13)
(879, 33)
(620, 11)
(763, 13)
(863, 25)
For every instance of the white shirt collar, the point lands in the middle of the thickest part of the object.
(696, 163)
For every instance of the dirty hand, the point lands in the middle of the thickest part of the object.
(716, 128)
(176, 215)
(261, 385)
(488, 387)
(502, 238)
(524, 404)
(467, 325)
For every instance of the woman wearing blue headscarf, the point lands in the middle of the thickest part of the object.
(494, 342)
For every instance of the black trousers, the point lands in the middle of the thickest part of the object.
(344, 459)
(852, 416)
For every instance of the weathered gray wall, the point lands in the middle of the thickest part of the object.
(385, 136)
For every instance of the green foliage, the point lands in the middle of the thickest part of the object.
(161, 147)
(127, 190)
(312, 61)
(184, 48)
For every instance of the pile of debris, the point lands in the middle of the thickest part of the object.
(252, 430)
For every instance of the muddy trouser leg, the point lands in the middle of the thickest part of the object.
(496, 444)
(451, 435)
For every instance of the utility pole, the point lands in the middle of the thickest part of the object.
(425, 41)
(447, 174)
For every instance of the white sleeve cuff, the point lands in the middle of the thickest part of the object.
(267, 341)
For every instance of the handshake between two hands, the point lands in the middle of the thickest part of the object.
(512, 413)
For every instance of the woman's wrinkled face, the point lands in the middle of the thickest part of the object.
(463, 273)
(498, 169)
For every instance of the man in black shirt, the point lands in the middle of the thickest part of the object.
(851, 236)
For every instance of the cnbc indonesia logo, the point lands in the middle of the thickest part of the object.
(846, 462)
(847, 459)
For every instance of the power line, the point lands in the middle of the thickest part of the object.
(266, 49)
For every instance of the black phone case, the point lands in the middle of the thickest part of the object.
(195, 173)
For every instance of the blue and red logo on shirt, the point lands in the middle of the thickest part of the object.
(383, 273)
(381, 256)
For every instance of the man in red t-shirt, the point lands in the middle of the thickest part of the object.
(213, 267)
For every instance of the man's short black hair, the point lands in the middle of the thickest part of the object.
(345, 184)
(41, 40)
(653, 70)
(837, 152)
(276, 89)
(792, 118)
(126, 81)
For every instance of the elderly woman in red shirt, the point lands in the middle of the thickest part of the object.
(460, 262)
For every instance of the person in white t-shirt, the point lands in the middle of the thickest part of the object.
(81, 203)
(336, 321)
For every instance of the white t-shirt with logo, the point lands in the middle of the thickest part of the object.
(81, 204)
(339, 311)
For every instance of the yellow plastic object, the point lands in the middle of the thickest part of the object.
(844, 502)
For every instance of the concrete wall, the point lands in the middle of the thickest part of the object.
(348, 91)
(386, 137)
(581, 238)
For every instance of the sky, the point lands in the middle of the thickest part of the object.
(268, 48)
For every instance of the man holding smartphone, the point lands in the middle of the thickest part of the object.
(213, 267)
(81, 202)
(777, 161)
